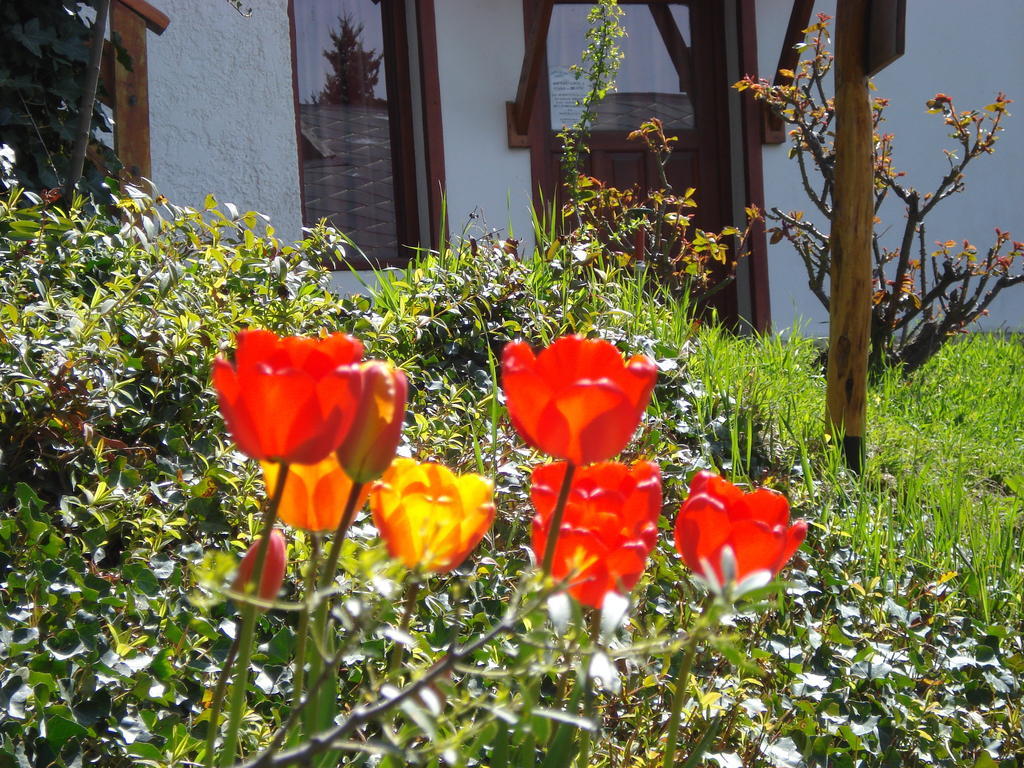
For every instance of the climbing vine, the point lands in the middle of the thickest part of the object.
(43, 54)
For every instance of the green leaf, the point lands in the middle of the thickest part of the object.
(59, 730)
(142, 578)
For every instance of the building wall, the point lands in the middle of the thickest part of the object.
(222, 111)
(222, 117)
(222, 121)
(480, 53)
(968, 51)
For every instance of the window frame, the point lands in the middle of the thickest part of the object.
(402, 125)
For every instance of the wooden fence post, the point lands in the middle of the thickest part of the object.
(852, 221)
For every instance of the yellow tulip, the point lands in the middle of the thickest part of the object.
(314, 494)
(430, 517)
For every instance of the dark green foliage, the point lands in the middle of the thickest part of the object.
(115, 472)
(43, 53)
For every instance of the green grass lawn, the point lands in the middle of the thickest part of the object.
(943, 483)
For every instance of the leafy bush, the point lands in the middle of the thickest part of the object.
(921, 299)
(114, 460)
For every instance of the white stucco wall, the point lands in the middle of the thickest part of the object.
(479, 55)
(968, 51)
(222, 117)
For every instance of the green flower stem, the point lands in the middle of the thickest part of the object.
(248, 630)
(412, 592)
(556, 518)
(349, 513)
(302, 632)
(589, 694)
(526, 750)
(682, 683)
(319, 647)
(218, 703)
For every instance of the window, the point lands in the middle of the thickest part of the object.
(357, 166)
(653, 79)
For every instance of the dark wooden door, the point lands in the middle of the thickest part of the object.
(674, 69)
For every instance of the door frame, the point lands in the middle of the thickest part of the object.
(707, 22)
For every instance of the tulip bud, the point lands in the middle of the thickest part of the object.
(373, 437)
(273, 567)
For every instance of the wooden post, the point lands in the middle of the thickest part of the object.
(83, 132)
(131, 95)
(852, 220)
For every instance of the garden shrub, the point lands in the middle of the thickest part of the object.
(121, 493)
(114, 462)
(921, 298)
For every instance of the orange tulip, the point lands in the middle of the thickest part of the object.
(428, 516)
(289, 399)
(725, 535)
(578, 400)
(274, 564)
(314, 494)
(373, 437)
(609, 528)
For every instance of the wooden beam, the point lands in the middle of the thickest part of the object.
(155, 19)
(852, 222)
(799, 20)
(433, 125)
(789, 58)
(131, 93)
(887, 34)
(753, 171)
(676, 46)
(403, 152)
(520, 110)
(106, 96)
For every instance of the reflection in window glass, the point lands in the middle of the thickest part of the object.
(345, 145)
(653, 80)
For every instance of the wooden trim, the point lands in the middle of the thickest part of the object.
(131, 93)
(789, 58)
(712, 98)
(676, 46)
(433, 128)
(297, 110)
(403, 149)
(156, 20)
(521, 109)
(105, 94)
(886, 33)
(753, 171)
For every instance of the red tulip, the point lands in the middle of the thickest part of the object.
(578, 400)
(725, 535)
(289, 399)
(274, 564)
(373, 437)
(609, 528)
